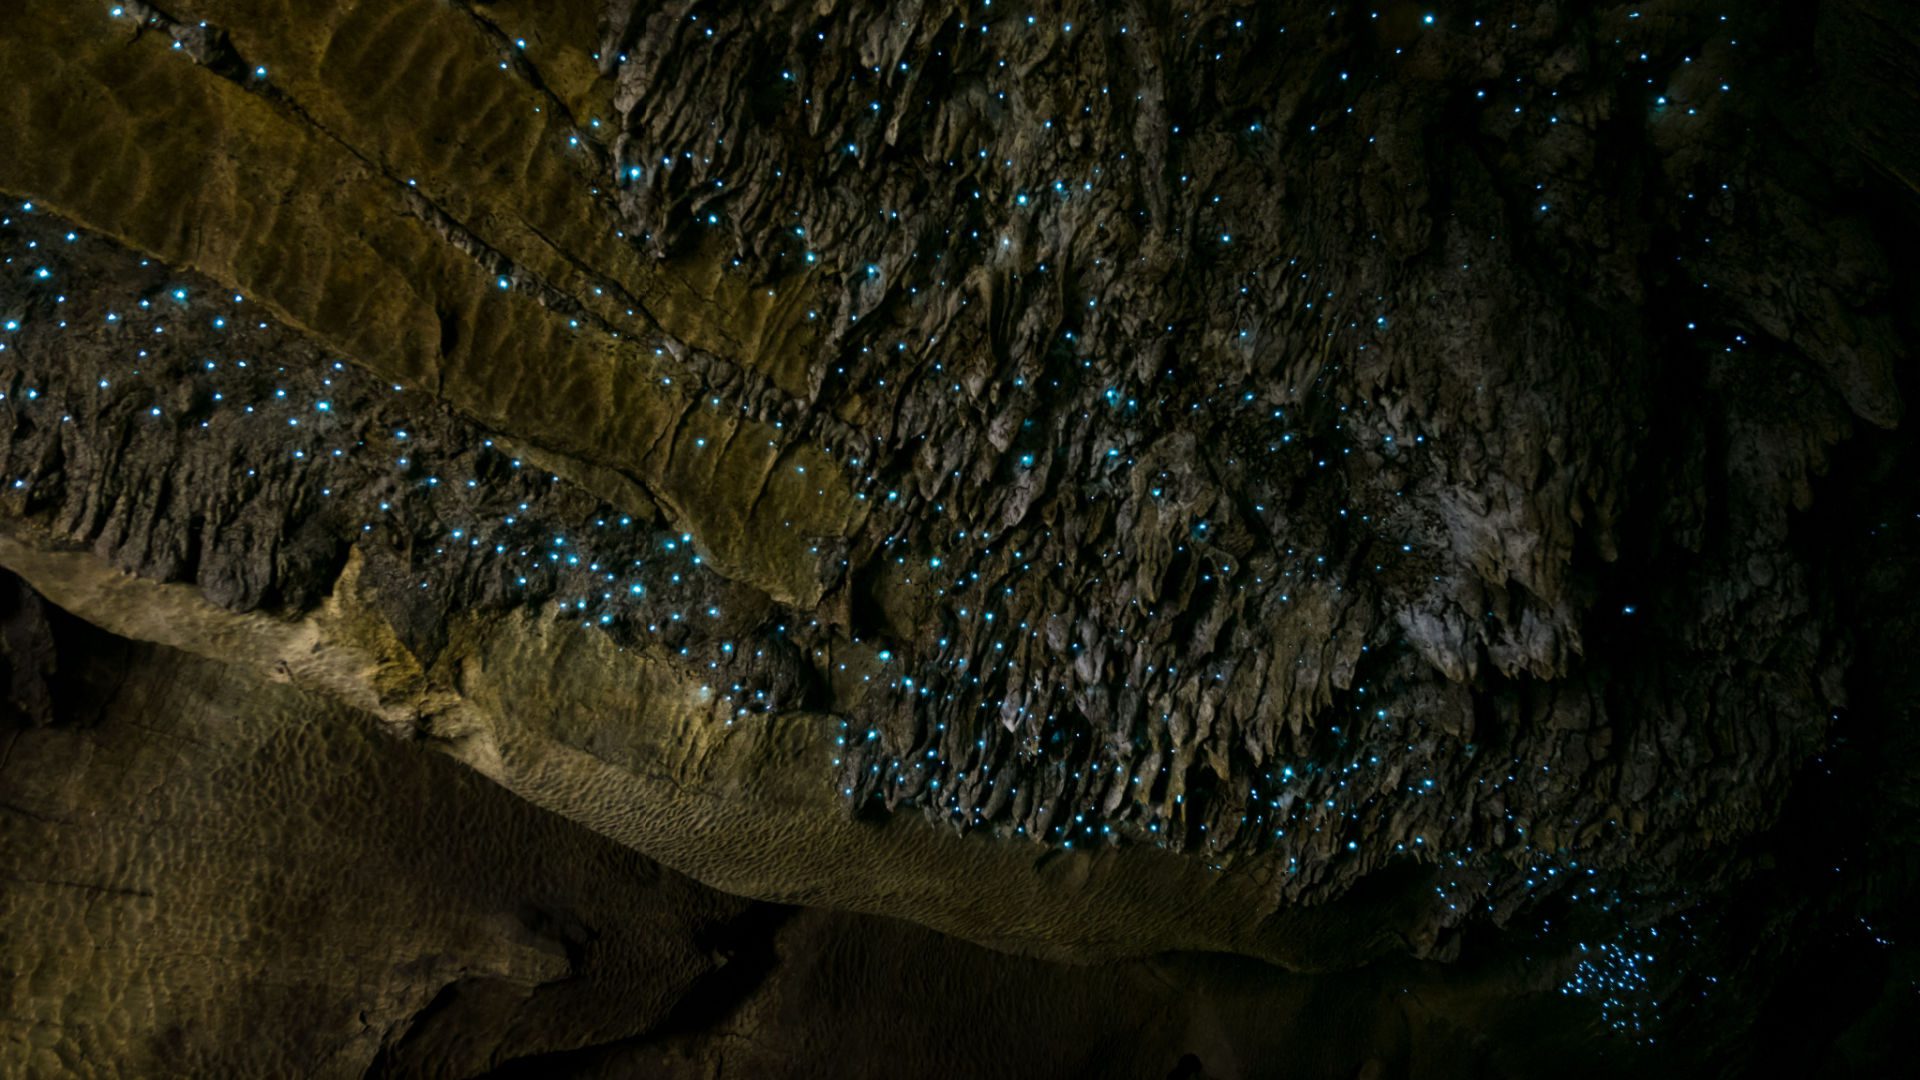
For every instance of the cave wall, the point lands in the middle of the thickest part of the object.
(1341, 488)
(213, 874)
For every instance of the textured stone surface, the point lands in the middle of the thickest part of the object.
(209, 874)
(1318, 484)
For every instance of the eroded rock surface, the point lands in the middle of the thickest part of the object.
(1318, 484)
(223, 876)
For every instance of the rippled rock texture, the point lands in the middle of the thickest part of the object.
(1349, 487)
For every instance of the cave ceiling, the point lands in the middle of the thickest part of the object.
(1328, 484)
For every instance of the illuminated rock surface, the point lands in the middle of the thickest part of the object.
(1417, 507)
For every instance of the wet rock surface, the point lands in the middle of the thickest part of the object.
(1329, 485)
